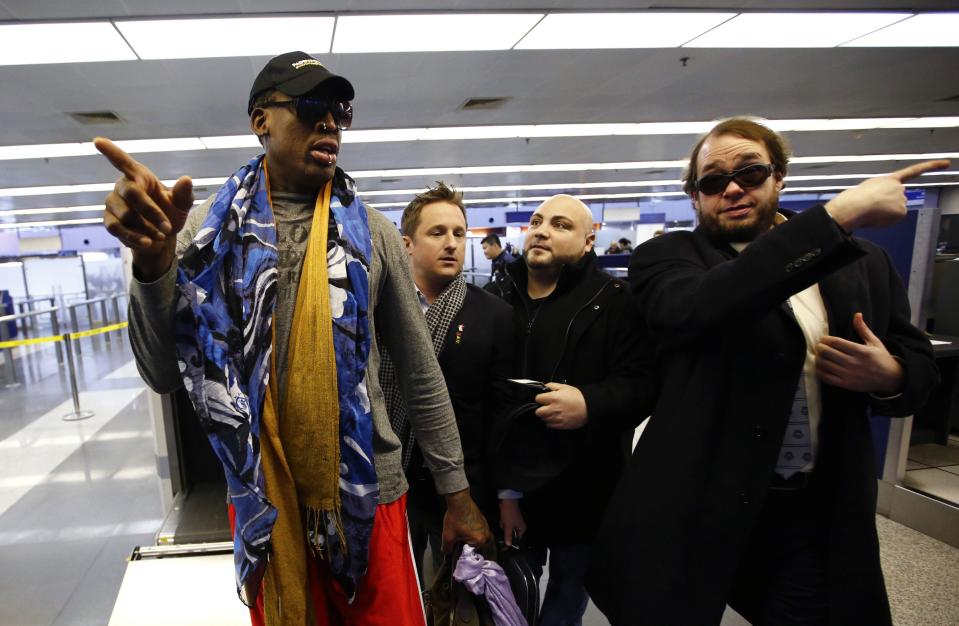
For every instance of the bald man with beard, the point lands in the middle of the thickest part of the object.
(575, 332)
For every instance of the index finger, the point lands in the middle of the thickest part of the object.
(541, 398)
(125, 164)
(913, 171)
(842, 345)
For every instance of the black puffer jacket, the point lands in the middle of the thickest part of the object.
(584, 334)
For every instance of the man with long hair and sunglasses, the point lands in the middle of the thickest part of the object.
(776, 335)
(267, 302)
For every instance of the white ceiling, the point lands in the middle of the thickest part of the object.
(203, 97)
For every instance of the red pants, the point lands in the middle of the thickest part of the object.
(388, 595)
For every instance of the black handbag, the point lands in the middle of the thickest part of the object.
(522, 580)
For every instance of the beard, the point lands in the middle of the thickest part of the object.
(741, 231)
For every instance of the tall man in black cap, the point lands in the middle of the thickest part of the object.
(775, 336)
(574, 331)
(265, 303)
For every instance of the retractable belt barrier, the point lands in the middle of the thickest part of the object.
(67, 339)
(13, 343)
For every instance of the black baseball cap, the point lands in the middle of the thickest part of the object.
(296, 74)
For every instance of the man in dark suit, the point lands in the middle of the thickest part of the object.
(499, 258)
(755, 481)
(471, 331)
(574, 331)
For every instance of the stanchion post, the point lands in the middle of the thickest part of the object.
(114, 299)
(55, 327)
(106, 320)
(94, 339)
(77, 414)
(8, 357)
(74, 325)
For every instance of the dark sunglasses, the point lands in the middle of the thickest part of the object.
(310, 111)
(746, 177)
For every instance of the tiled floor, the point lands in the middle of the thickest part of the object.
(934, 470)
(75, 497)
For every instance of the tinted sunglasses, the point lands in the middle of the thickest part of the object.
(746, 177)
(311, 110)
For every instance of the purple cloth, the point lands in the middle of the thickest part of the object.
(486, 578)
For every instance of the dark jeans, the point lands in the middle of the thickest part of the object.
(781, 580)
(566, 597)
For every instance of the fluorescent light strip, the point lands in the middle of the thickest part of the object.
(783, 126)
(502, 200)
(444, 32)
(47, 151)
(618, 196)
(544, 186)
(70, 42)
(51, 190)
(841, 187)
(530, 199)
(509, 169)
(928, 156)
(19, 192)
(52, 210)
(920, 31)
(616, 184)
(230, 142)
(627, 165)
(647, 29)
(176, 144)
(227, 37)
(794, 30)
(48, 224)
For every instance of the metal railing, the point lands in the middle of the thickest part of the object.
(71, 340)
(90, 306)
(5, 334)
(27, 306)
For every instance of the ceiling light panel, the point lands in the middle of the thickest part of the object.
(448, 32)
(863, 123)
(853, 158)
(926, 30)
(226, 142)
(74, 42)
(383, 135)
(928, 122)
(227, 37)
(47, 224)
(49, 190)
(793, 30)
(46, 150)
(572, 31)
(539, 187)
(173, 144)
(446, 133)
(53, 210)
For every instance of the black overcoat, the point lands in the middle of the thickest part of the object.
(728, 357)
(476, 360)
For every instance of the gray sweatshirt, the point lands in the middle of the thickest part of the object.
(396, 320)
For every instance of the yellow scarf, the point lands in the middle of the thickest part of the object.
(300, 452)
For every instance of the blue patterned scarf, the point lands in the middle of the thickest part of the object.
(226, 295)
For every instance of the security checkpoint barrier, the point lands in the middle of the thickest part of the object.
(70, 340)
